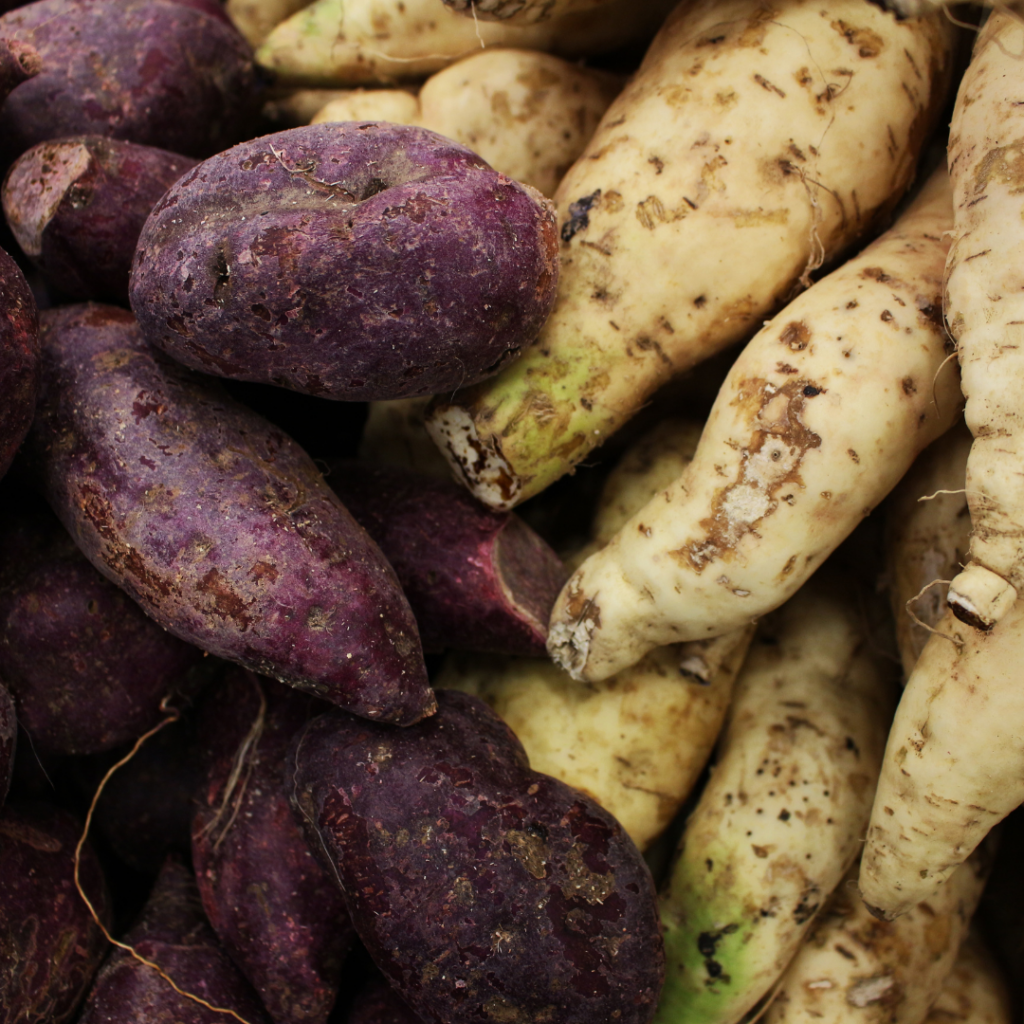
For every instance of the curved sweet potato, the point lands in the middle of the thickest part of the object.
(217, 523)
(482, 889)
(276, 910)
(353, 260)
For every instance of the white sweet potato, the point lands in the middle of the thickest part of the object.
(954, 762)
(782, 816)
(359, 42)
(820, 416)
(753, 144)
(984, 307)
(854, 969)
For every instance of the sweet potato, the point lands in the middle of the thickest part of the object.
(18, 62)
(854, 968)
(76, 206)
(128, 69)
(782, 817)
(749, 148)
(173, 934)
(19, 359)
(352, 261)
(217, 523)
(87, 668)
(820, 416)
(276, 910)
(985, 313)
(482, 890)
(50, 947)
(521, 11)
(476, 579)
(357, 42)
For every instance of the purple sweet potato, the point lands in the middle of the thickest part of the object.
(76, 206)
(50, 947)
(172, 933)
(347, 260)
(8, 741)
(378, 1003)
(477, 579)
(19, 359)
(217, 523)
(278, 913)
(87, 668)
(150, 71)
(18, 63)
(483, 890)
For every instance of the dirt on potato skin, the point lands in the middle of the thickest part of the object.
(481, 889)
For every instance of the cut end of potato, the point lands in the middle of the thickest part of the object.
(980, 597)
(569, 644)
(478, 463)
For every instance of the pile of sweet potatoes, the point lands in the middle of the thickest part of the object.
(297, 729)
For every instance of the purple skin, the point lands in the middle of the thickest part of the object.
(150, 71)
(19, 359)
(18, 63)
(353, 261)
(8, 741)
(172, 933)
(77, 205)
(216, 522)
(378, 1003)
(88, 670)
(476, 579)
(444, 840)
(278, 913)
(50, 947)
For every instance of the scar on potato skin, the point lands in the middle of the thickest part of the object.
(771, 460)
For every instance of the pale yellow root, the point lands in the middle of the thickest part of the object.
(855, 969)
(928, 527)
(782, 816)
(984, 308)
(954, 763)
(820, 416)
(362, 42)
(754, 143)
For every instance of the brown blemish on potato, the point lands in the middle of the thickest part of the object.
(226, 603)
(868, 42)
(530, 850)
(771, 460)
(1003, 165)
(795, 335)
(582, 883)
